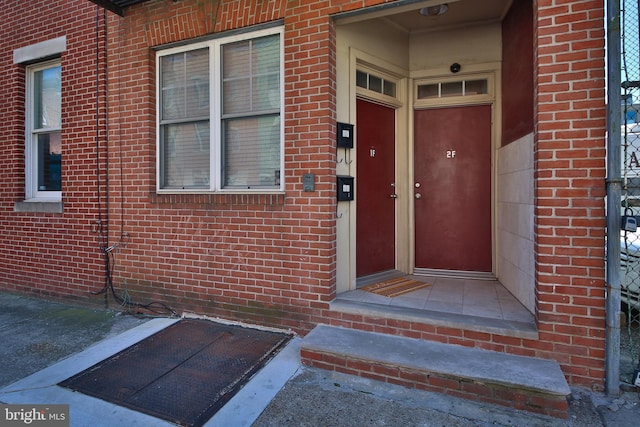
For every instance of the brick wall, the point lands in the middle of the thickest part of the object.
(267, 259)
(45, 253)
(270, 259)
(570, 187)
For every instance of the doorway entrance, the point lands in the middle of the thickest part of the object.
(375, 190)
(452, 189)
(448, 226)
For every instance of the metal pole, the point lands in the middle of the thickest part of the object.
(614, 193)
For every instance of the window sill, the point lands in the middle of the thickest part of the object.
(220, 199)
(42, 206)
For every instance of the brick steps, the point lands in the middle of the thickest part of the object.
(525, 383)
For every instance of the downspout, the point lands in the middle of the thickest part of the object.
(614, 194)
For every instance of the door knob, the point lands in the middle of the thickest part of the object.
(418, 196)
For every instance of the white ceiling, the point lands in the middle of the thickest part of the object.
(461, 13)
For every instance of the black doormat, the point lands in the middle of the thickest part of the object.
(183, 374)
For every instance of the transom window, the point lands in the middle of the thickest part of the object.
(452, 89)
(375, 83)
(220, 106)
(44, 143)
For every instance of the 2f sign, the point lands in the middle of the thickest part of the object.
(451, 154)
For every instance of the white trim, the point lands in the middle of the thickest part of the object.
(449, 101)
(377, 97)
(40, 50)
(360, 60)
(215, 117)
(32, 193)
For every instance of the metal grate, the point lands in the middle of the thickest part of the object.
(630, 144)
(183, 374)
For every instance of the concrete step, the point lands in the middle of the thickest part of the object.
(526, 383)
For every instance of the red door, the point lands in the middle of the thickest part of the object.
(452, 188)
(375, 218)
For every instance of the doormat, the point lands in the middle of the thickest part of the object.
(183, 374)
(395, 287)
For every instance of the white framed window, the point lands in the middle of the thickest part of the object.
(220, 115)
(454, 90)
(43, 145)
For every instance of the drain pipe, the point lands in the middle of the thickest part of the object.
(614, 193)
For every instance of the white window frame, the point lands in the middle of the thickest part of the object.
(215, 116)
(462, 99)
(32, 192)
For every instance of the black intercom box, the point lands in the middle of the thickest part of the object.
(345, 188)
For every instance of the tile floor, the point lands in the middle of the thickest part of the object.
(481, 304)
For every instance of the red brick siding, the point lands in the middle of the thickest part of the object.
(52, 254)
(265, 259)
(570, 188)
(494, 393)
(271, 259)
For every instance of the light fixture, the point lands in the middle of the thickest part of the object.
(440, 9)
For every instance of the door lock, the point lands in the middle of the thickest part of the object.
(393, 196)
(418, 196)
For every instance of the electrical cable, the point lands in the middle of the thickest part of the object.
(102, 226)
(155, 307)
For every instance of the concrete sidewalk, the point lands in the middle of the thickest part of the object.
(45, 342)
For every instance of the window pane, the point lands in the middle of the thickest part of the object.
(235, 59)
(237, 97)
(47, 101)
(475, 87)
(361, 79)
(428, 91)
(236, 77)
(389, 88)
(173, 96)
(197, 83)
(185, 85)
(251, 151)
(185, 156)
(375, 83)
(451, 89)
(251, 75)
(266, 72)
(266, 92)
(49, 161)
(266, 55)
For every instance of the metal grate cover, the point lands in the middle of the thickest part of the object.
(183, 374)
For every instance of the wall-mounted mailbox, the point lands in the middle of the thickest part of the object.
(345, 188)
(345, 135)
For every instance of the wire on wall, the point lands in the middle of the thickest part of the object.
(102, 227)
